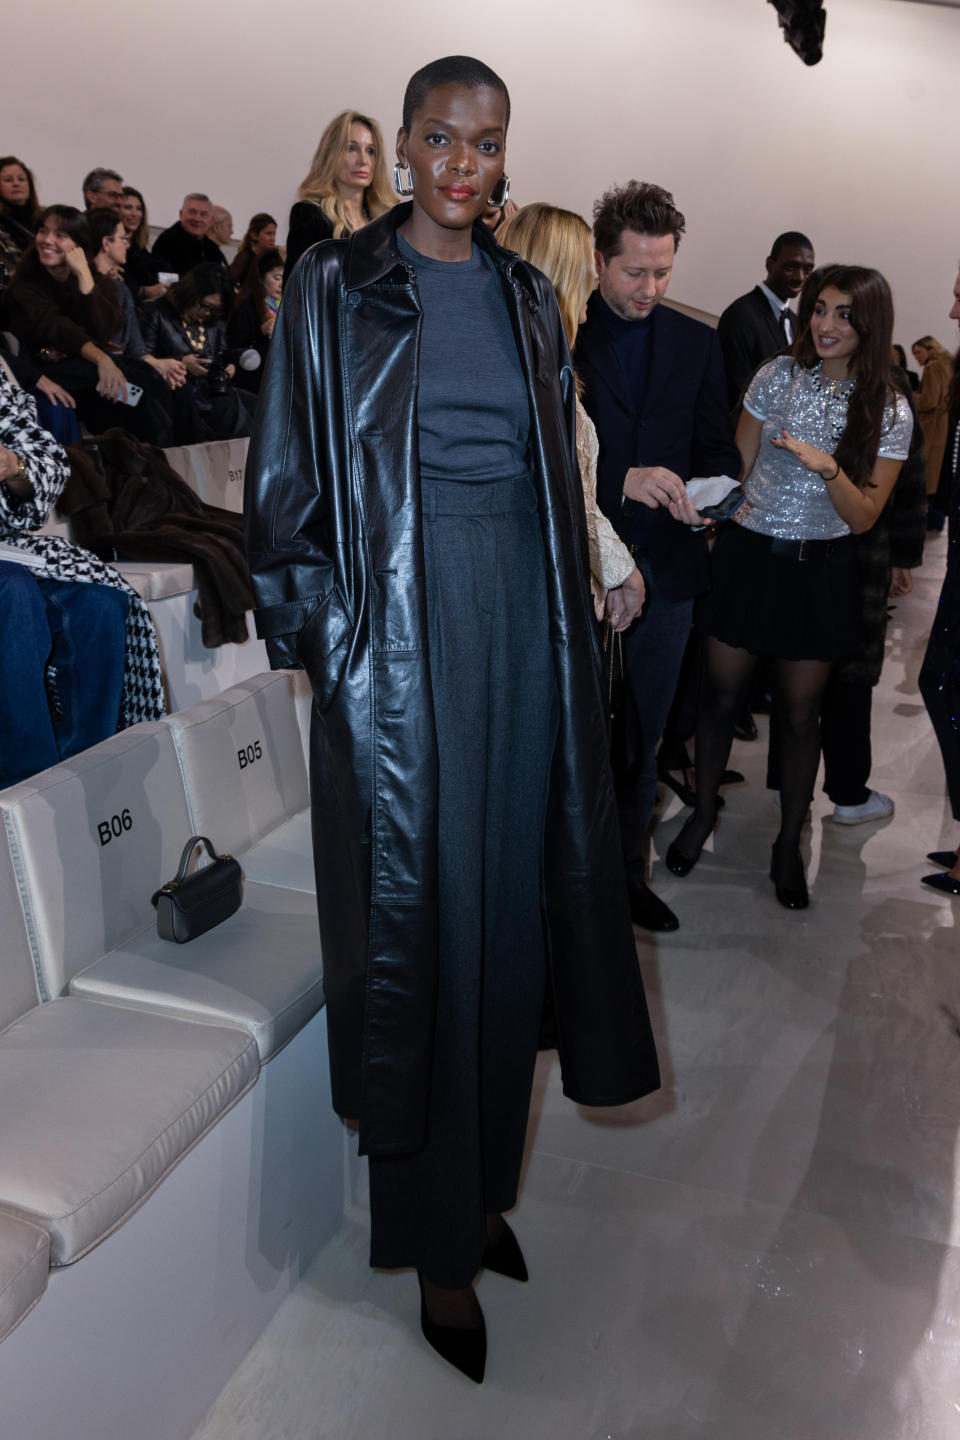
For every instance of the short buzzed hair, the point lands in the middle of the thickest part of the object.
(639, 206)
(451, 70)
(195, 195)
(790, 237)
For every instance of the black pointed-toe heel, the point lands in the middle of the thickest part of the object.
(676, 861)
(946, 859)
(504, 1256)
(464, 1349)
(792, 897)
(944, 882)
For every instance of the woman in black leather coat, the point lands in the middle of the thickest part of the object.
(468, 861)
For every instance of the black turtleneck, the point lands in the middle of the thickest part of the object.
(631, 341)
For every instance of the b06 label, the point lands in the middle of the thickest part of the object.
(115, 827)
(247, 754)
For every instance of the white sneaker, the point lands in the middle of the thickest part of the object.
(875, 807)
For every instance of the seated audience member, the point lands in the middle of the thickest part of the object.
(65, 316)
(103, 188)
(78, 652)
(261, 236)
(220, 229)
(759, 324)
(141, 270)
(189, 325)
(56, 407)
(153, 417)
(254, 315)
(186, 244)
(346, 186)
(19, 209)
(899, 357)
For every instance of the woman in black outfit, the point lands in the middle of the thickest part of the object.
(19, 213)
(940, 673)
(417, 537)
(255, 313)
(190, 325)
(346, 186)
(261, 236)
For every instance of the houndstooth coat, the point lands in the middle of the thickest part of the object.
(47, 470)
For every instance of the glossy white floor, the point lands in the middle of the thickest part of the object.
(765, 1250)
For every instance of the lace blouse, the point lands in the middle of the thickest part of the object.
(610, 560)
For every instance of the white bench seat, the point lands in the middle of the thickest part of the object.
(24, 1267)
(284, 857)
(260, 969)
(97, 1105)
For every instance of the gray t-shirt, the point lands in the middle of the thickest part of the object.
(472, 408)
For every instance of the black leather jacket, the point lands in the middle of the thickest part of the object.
(335, 546)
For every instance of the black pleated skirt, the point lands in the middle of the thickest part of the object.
(778, 604)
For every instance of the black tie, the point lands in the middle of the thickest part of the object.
(783, 325)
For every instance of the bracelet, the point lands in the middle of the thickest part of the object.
(827, 478)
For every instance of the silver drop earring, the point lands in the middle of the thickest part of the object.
(500, 193)
(402, 187)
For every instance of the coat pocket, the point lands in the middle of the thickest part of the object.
(322, 647)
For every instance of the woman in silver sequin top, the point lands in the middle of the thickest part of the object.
(822, 437)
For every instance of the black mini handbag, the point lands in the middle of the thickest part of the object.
(189, 905)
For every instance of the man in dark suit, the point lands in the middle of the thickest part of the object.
(759, 324)
(653, 384)
(186, 244)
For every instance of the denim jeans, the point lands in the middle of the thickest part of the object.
(652, 654)
(72, 635)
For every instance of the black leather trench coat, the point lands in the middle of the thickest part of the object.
(335, 545)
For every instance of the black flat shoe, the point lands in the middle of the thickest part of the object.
(745, 728)
(946, 883)
(648, 911)
(946, 859)
(792, 897)
(731, 777)
(504, 1256)
(465, 1349)
(677, 861)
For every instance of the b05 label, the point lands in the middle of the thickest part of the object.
(113, 828)
(247, 754)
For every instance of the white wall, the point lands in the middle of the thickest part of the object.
(702, 96)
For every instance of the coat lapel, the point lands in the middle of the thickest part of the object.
(594, 350)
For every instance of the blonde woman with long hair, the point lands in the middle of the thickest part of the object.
(346, 185)
(560, 243)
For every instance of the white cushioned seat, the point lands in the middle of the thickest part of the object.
(213, 469)
(260, 969)
(156, 579)
(284, 857)
(241, 758)
(91, 841)
(97, 1104)
(24, 1267)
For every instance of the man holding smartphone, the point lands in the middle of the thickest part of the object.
(654, 387)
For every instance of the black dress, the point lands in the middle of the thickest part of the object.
(940, 673)
(308, 226)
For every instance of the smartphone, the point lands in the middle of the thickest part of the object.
(133, 394)
(724, 508)
(166, 277)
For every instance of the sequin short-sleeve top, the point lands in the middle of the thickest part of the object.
(784, 499)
